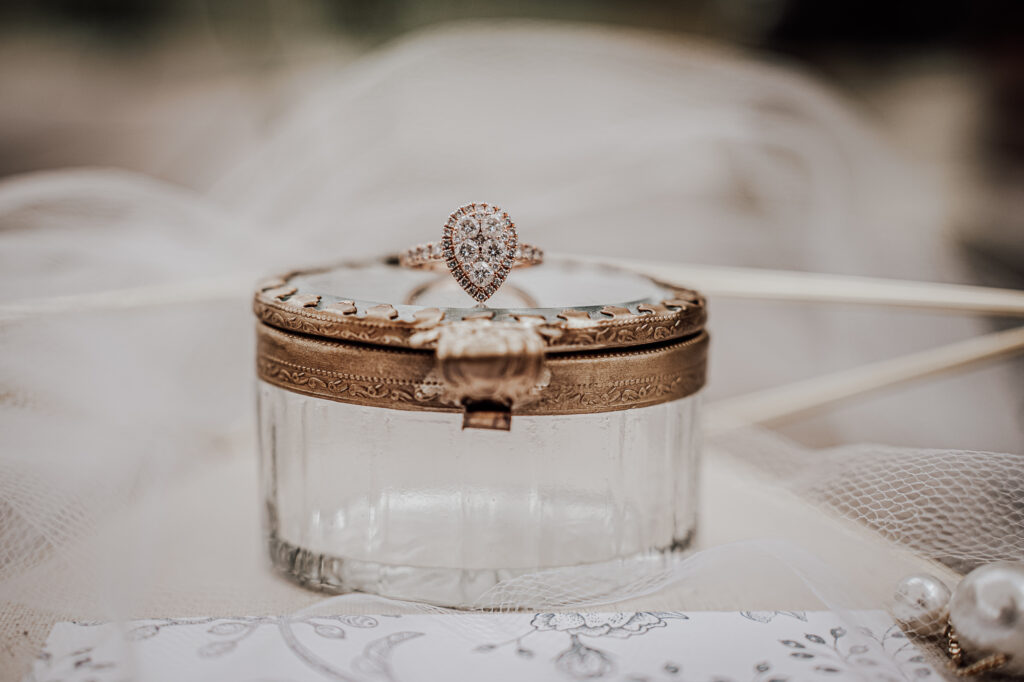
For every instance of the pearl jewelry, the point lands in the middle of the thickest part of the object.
(920, 604)
(987, 612)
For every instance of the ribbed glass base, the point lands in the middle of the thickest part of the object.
(409, 505)
(456, 587)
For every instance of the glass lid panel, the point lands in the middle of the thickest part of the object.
(543, 290)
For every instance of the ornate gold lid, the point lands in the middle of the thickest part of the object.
(563, 338)
(317, 302)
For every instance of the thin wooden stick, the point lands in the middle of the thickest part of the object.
(811, 287)
(784, 403)
(728, 282)
(173, 293)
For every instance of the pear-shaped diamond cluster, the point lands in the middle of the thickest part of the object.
(479, 245)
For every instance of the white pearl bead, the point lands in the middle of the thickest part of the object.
(987, 612)
(920, 604)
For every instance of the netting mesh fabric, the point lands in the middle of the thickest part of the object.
(960, 508)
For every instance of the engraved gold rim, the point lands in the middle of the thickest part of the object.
(579, 383)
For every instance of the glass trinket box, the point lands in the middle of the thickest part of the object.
(417, 446)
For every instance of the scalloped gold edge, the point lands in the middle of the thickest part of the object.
(280, 304)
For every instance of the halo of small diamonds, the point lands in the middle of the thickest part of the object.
(479, 246)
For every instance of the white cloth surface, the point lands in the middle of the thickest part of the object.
(209, 560)
(544, 647)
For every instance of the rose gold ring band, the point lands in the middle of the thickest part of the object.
(430, 256)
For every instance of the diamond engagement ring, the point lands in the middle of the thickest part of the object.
(479, 246)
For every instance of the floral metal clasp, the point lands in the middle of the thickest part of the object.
(489, 367)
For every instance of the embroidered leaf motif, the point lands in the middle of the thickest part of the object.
(768, 616)
(359, 621)
(214, 649)
(142, 632)
(791, 644)
(329, 631)
(232, 628)
(375, 658)
(815, 638)
(799, 615)
(758, 616)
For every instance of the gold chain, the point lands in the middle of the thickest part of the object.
(956, 657)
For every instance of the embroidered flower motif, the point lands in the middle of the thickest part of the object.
(620, 625)
(581, 662)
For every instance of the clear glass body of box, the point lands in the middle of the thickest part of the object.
(409, 505)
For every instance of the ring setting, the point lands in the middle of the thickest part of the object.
(479, 246)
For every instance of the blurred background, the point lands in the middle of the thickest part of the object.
(150, 85)
(180, 90)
